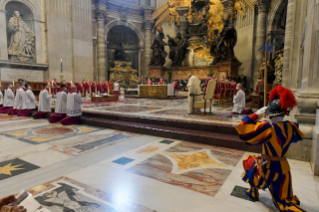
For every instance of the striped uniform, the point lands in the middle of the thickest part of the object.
(275, 139)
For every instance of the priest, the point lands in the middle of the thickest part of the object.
(18, 101)
(44, 106)
(93, 87)
(8, 100)
(29, 102)
(193, 86)
(161, 82)
(240, 101)
(74, 111)
(60, 106)
(149, 82)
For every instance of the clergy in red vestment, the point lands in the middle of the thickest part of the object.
(79, 88)
(149, 82)
(8, 100)
(175, 83)
(18, 101)
(105, 87)
(29, 102)
(73, 107)
(93, 86)
(99, 87)
(110, 86)
(87, 87)
(55, 87)
(44, 106)
(60, 106)
(161, 82)
(209, 77)
(257, 85)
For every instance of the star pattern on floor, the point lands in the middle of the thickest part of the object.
(7, 169)
(189, 161)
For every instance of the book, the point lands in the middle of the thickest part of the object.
(27, 201)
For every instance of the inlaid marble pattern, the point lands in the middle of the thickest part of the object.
(49, 133)
(5, 117)
(176, 109)
(148, 150)
(89, 143)
(65, 194)
(15, 167)
(200, 168)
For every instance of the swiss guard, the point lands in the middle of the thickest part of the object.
(275, 136)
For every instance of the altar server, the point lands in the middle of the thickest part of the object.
(149, 82)
(60, 106)
(239, 101)
(29, 102)
(116, 88)
(271, 170)
(161, 82)
(74, 111)
(8, 100)
(18, 101)
(193, 86)
(44, 106)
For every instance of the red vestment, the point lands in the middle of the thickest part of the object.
(93, 87)
(110, 85)
(161, 82)
(149, 82)
(55, 88)
(99, 87)
(104, 87)
(79, 88)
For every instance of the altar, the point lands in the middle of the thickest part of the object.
(158, 91)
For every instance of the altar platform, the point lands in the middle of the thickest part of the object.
(169, 119)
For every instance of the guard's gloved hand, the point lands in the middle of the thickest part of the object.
(261, 111)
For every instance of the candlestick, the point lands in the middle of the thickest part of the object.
(61, 66)
(13, 83)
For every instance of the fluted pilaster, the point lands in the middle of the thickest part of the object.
(262, 6)
(147, 44)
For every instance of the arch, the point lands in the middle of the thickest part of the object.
(30, 5)
(130, 25)
(275, 13)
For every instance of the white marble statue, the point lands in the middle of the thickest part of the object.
(21, 37)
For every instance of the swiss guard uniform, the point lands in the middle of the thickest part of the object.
(275, 137)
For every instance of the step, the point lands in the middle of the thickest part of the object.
(197, 136)
(187, 125)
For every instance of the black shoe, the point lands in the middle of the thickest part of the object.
(255, 199)
(250, 111)
(35, 116)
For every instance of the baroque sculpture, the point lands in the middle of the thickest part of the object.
(22, 39)
(119, 54)
(177, 49)
(239, 7)
(158, 54)
(228, 39)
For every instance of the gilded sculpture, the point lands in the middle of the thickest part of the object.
(177, 51)
(209, 16)
(278, 67)
(239, 8)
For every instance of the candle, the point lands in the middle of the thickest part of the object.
(61, 65)
(52, 84)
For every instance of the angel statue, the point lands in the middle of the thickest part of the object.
(240, 8)
(159, 54)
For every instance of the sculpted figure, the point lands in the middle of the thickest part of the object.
(159, 54)
(119, 54)
(20, 32)
(227, 42)
(177, 49)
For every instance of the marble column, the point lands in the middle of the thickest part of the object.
(101, 46)
(286, 79)
(262, 6)
(147, 46)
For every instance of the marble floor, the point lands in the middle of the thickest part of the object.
(89, 169)
(176, 109)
